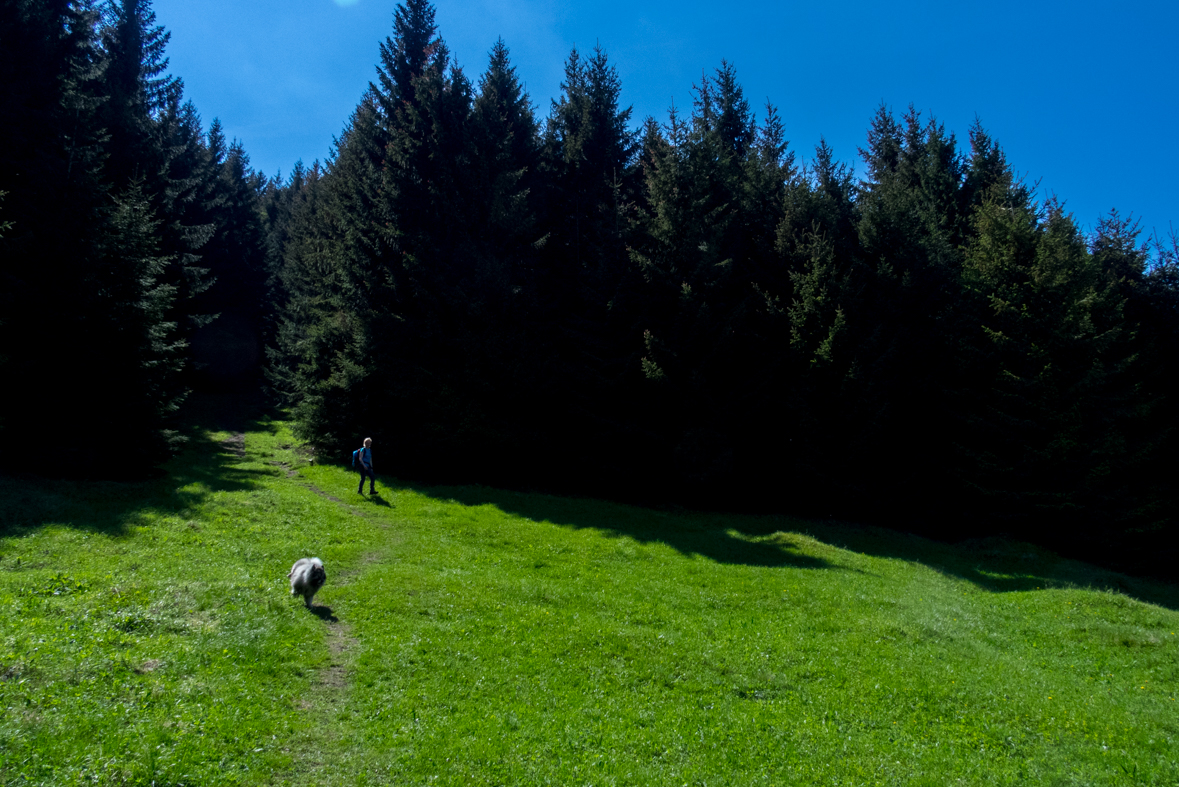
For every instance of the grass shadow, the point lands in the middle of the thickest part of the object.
(229, 412)
(690, 533)
(996, 563)
(205, 466)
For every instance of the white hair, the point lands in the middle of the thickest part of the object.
(307, 577)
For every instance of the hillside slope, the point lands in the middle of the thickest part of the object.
(475, 636)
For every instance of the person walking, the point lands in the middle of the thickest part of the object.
(362, 459)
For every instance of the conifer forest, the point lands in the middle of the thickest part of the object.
(680, 310)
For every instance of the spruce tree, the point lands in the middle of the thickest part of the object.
(587, 195)
(809, 319)
(506, 141)
(1119, 408)
(588, 152)
(389, 288)
(1049, 396)
(88, 326)
(50, 167)
(714, 191)
(139, 93)
(1158, 305)
(156, 144)
(227, 198)
(290, 217)
(910, 233)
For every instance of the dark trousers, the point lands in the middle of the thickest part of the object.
(372, 481)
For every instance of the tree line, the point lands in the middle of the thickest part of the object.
(677, 310)
(127, 230)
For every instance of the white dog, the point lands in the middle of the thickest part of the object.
(307, 577)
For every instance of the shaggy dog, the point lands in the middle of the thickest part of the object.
(307, 577)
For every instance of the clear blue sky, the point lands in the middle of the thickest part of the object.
(1083, 96)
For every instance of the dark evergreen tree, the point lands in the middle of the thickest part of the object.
(505, 171)
(1123, 405)
(156, 145)
(1051, 400)
(713, 199)
(807, 318)
(910, 232)
(584, 279)
(50, 164)
(141, 353)
(401, 281)
(344, 285)
(510, 339)
(228, 350)
(86, 327)
(293, 221)
(588, 152)
(414, 48)
(139, 91)
(1155, 502)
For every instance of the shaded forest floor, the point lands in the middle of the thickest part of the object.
(469, 635)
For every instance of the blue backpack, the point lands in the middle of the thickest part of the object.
(356, 456)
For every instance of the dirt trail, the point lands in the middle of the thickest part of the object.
(235, 444)
(331, 685)
(318, 746)
(292, 473)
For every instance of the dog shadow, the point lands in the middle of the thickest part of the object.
(323, 613)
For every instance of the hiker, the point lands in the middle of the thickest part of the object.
(362, 460)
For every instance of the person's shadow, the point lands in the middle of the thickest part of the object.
(377, 500)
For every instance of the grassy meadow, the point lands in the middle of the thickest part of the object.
(474, 636)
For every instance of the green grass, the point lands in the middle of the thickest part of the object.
(475, 636)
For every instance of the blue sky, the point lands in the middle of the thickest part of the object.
(1083, 96)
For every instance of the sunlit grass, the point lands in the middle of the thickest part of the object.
(474, 636)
